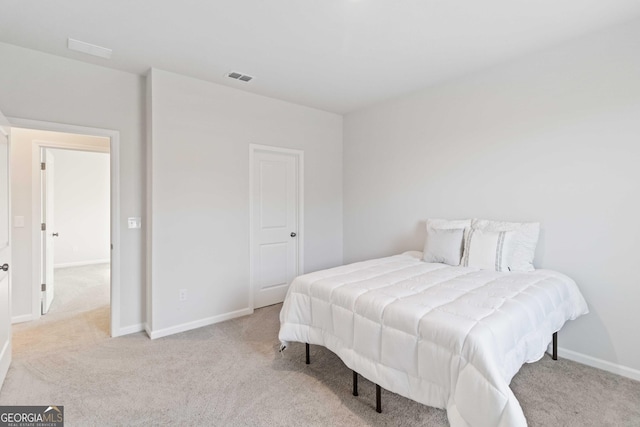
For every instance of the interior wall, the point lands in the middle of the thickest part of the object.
(199, 193)
(21, 206)
(81, 208)
(550, 137)
(38, 86)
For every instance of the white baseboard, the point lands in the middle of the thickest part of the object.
(22, 318)
(81, 263)
(132, 329)
(198, 323)
(594, 362)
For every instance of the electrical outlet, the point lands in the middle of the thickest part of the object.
(183, 294)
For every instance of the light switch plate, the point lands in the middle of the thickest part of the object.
(18, 221)
(134, 222)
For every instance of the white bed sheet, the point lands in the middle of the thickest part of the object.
(448, 337)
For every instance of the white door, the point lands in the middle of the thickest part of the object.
(274, 228)
(49, 233)
(5, 252)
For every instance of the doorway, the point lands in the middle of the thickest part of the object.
(276, 212)
(75, 230)
(65, 145)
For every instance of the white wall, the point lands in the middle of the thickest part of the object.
(200, 136)
(81, 207)
(21, 206)
(551, 137)
(39, 86)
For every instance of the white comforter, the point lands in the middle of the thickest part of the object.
(448, 337)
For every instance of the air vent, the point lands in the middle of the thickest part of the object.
(238, 76)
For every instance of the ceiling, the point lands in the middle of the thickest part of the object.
(335, 55)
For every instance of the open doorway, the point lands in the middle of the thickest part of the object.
(65, 189)
(75, 241)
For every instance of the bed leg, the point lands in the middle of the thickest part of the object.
(355, 383)
(308, 357)
(554, 356)
(378, 400)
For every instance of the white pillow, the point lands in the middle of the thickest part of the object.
(443, 245)
(446, 245)
(446, 224)
(521, 248)
(487, 249)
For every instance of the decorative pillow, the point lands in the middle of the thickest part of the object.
(487, 249)
(443, 245)
(521, 249)
(445, 224)
(441, 253)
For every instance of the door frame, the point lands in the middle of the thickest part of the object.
(299, 155)
(36, 203)
(6, 348)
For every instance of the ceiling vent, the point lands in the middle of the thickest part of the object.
(90, 49)
(238, 76)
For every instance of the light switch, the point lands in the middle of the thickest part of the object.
(135, 222)
(18, 221)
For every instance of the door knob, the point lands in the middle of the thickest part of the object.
(55, 234)
(4, 267)
(293, 234)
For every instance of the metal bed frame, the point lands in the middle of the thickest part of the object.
(554, 356)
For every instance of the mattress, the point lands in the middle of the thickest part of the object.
(447, 337)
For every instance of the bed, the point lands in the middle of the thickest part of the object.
(447, 337)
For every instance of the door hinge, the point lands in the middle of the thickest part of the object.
(43, 166)
(43, 287)
(43, 227)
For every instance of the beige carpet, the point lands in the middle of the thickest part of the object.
(231, 374)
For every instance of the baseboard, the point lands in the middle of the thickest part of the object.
(5, 361)
(198, 323)
(82, 263)
(132, 329)
(22, 318)
(594, 362)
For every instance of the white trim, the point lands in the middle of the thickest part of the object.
(21, 319)
(273, 149)
(594, 362)
(5, 362)
(5, 354)
(115, 234)
(17, 122)
(81, 263)
(147, 329)
(114, 150)
(300, 171)
(126, 330)
(198, 323)
(148, 205)
(71, 146)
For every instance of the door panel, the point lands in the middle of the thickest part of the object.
(273, 194)
(48, 191)
(274, 265)
(275, 225)
(5, 252)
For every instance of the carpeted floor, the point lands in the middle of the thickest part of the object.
(232, 374)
